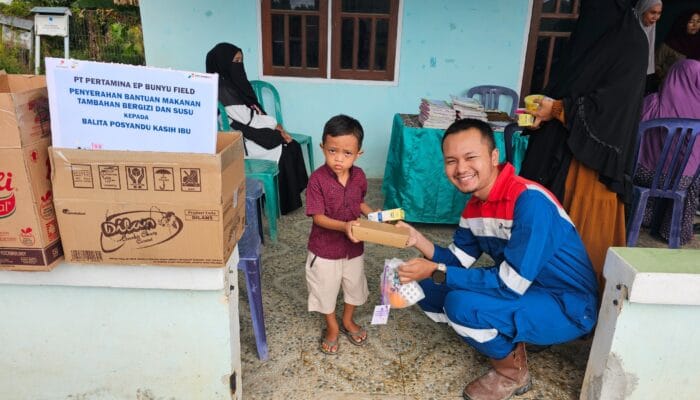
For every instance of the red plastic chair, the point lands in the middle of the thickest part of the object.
(679, 136)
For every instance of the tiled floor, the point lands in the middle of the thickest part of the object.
(408, 358)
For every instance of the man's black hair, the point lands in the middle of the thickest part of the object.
(469, 123)
(342, 125)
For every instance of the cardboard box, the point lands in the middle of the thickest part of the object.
(24, 110)
(29, 238)
(150, 208)
(381, 233)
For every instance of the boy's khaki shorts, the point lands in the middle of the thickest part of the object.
(325, 277)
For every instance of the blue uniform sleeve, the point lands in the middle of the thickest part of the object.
(463, 251)
(535, 234)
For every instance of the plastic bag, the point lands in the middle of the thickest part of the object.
(394, 293)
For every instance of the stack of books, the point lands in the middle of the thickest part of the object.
(436, 114)
(466, 107)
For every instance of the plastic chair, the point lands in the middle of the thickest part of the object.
(267, 172)
(490, 94)
(264, 170)
(679, 138)
(515, 145)
(508, 133)
(249, 250)
(254, 190)
(260, 87)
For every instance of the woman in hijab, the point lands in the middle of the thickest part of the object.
(583, 146)
(679, 97)
(264, 138)
(648, 12)
(683, 41)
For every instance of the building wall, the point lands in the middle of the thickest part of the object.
(446, 47)
(105, 332)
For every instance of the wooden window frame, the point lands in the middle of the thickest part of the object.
(364, 74)
(335, 26)
(288, 70)
(536, 33)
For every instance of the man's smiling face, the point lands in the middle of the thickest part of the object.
(469, 163)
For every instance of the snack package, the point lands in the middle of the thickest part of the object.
(524, 119)
(394, 293)
(394, 214)
(532, 101)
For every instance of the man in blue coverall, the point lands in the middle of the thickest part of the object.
(541, 289)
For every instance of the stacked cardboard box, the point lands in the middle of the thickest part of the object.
(29, 238)
(150, 208)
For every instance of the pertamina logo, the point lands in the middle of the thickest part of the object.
(138, 229)
(8, 204)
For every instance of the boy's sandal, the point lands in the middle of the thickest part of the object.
(326, 346)
(358, 338)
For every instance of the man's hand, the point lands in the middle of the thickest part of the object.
(416, 269)
(348, 230)
(417, 240)
(413, 235)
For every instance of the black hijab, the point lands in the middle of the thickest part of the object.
(680, 40)
(601, 79)
(234, 87)
(596, 19)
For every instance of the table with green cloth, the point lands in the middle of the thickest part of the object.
(414, 176)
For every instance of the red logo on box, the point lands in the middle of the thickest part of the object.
(7, 201)
(7, 205)
(52, 230)
(27, 237)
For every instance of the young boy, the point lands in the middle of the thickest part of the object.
(335, 199)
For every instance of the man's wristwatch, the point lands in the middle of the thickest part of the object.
(440, 274)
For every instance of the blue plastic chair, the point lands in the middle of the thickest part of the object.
(515, 145)
(268, 173)
(490, 96)
(264, 170)
(508, 133)
(260, 88)
(249, 250)
(679, 138)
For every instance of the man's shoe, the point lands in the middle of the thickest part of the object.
(509, 376)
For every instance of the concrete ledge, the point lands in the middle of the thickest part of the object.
(125, 276)
(655, 276)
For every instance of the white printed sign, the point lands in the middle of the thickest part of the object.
(105, 106)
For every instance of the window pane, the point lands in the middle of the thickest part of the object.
(549, 6)
(346, 37)
(295, 40)
(278, 40)
(538, 74)
(312, 33)
(365, 40)
(295, 4)
(381, 44)
(567, 6)
(366, 6)
(557, 25)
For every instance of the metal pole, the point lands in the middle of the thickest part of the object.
(37, 58)
(66, 42)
